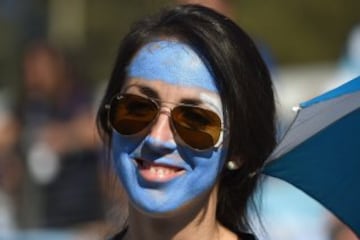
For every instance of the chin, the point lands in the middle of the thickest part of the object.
(166, 210)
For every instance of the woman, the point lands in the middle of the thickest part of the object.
(188, 116)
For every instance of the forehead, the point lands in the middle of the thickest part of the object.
(172, 62)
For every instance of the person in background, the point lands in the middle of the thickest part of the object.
(188, 118)
(62, 187)
(11, 171)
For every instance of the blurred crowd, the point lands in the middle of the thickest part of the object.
(52, 171)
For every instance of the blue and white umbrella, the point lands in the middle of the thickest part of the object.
(320, 152)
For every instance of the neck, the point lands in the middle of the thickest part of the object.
(197, 221)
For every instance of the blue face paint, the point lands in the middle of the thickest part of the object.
(199, 170)
(173, 62)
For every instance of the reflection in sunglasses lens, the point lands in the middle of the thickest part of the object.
(131, 114)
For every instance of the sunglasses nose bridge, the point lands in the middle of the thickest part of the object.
(165, 110)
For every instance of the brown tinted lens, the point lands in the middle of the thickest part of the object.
(197, 127)
(129, 114)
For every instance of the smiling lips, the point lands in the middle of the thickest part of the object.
(153, 172)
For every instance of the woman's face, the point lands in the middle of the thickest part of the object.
(159, 171)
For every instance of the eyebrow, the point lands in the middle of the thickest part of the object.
(191, 101)
(149, 92)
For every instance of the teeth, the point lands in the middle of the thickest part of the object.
(160, 171)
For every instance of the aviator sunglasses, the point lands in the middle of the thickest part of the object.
(197, 127)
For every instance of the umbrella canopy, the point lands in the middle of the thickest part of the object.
(320, 152)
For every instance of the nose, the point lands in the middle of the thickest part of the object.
(161, 138)
(161, 129)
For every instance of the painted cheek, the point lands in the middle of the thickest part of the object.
(121, 148)
(196, 182)
(211, 161)
(124, 144)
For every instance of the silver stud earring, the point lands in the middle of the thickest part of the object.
(252, 174)
(231, 165)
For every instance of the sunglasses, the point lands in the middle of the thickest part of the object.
(197, 127)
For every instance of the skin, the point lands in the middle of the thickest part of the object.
(177, 187)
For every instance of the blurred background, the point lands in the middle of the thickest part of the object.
(56, 56)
